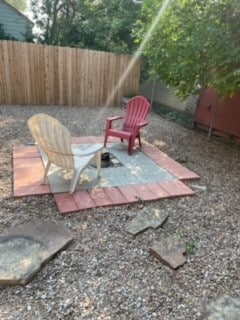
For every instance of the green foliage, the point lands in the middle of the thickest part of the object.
(179, 234)
(4, 35)
(29, 34)
(100, 25)
(53, 19)
(195, 44)
(191, 247)
(20, 5)
(184, 118)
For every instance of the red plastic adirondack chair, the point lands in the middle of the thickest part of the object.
(135, 118)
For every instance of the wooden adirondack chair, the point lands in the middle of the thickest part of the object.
(55, 140)
(135, 118)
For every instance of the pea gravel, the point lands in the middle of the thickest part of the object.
(106, 273)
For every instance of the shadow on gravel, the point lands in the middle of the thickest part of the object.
(186, 120)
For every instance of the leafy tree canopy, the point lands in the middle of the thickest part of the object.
(195, 43)
(94, 24)
(20, 5)
(4, 35)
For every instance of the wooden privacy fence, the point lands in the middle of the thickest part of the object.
(34, 74)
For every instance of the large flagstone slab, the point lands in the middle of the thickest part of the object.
(27, 248)
(222, 308)
(146, 219)
(170, 251)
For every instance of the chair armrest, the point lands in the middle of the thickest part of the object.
(142, 124)
(138, 126)
(110, 121)
(114, 118)
(82, 151)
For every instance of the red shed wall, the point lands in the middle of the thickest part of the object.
(222, 116)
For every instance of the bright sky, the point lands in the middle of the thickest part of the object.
(28, 9)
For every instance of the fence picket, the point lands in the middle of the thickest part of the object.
(35, 74)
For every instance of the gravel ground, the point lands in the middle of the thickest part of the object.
(107, 273)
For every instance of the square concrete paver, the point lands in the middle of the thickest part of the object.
(147, 175)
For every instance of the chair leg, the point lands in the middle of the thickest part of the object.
(105, 140)
(75, 178)
(98, 163)
(130, 145)
(76, 173)
(46, 171)
(139, 140)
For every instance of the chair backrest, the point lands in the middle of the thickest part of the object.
(53, 138)
(137, 111)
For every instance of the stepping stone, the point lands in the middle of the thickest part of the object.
(27, 248)
(145, 220)
(169, 251)
(222, 308)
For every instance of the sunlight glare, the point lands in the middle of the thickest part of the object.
(138, 52)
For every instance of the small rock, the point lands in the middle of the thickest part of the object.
(196, 186)
(222, 308)
(170, 252)
(145, 220)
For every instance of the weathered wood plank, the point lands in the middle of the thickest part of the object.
(48, 75)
